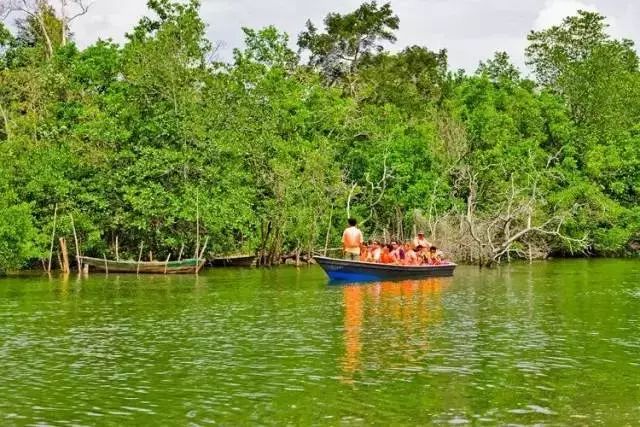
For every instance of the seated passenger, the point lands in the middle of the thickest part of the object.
(433, 257)
(375, 252)
(410, 256)
(423, 255)
(385, 256)
(397, 252)
(364, 252)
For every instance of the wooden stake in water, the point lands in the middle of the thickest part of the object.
(181, 250)
(197, 224)
(75, 238)
(203, 248)
(139, 258)
(326, 239)
(106, 264)
(65, 255)
(201, 253)
(166, 263)
(53, 234)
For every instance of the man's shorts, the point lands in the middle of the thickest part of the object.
(351, 256)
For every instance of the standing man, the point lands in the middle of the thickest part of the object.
(421, 241)
(351, 241)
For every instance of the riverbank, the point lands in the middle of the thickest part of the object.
(290, 261)
(548, 343)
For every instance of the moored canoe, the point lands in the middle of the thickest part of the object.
(189, 265)
(233, 261)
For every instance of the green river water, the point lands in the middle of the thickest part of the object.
(554, 343)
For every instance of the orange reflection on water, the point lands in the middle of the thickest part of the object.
(395, 311)
(353, 299)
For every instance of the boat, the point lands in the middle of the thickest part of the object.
(233, 261)
(359, 271)
(188, 265)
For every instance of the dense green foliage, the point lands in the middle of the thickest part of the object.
(272, 152)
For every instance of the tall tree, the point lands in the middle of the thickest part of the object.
(414, 78)
(348, 38)
(598, 78)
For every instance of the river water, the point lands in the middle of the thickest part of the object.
(553, 343)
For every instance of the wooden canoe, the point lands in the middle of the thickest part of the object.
(189, 265)
(233, 261)
(358, 271)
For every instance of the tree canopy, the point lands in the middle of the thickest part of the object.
(149, 141)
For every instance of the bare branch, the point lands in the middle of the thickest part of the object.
(30, 8)
(554, 157)
(84, 8)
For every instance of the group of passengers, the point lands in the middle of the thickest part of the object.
(418, 252)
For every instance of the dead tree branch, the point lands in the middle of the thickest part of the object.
(82, 7)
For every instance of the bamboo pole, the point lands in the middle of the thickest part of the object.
(197, 224)
(326, 239)
(65, 255)
(139, 258)
(53, 233)
(75, 238)
(181, 250)
(166, 263)
(117, 254)
(203, 248)
(199, 257)
(106, 264)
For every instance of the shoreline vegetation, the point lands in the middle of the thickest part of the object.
(156, 145)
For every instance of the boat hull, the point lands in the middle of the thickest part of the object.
(358, 271)
(234, 261)
(185, 266)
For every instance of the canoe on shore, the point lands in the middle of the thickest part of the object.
(189, 265)
(233, 261)
(344, 270)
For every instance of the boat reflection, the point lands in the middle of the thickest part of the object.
(386, 324)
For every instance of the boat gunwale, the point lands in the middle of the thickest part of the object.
(233, 258)
(375, 265)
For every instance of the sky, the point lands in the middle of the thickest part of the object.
(471, 30)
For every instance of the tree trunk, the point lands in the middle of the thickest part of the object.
(65, 255)
(5, 118)
(45, 34)
(63, 19)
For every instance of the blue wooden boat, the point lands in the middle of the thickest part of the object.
(358, 271)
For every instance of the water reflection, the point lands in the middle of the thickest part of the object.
(552, 343)
(386, 323)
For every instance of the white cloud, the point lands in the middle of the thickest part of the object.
(108, 19)
(471, 30)
(619, 15)
(554, 11)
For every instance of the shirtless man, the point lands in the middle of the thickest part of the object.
(351, 241)
(410, 256)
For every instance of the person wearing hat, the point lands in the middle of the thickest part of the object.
(421, 241)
